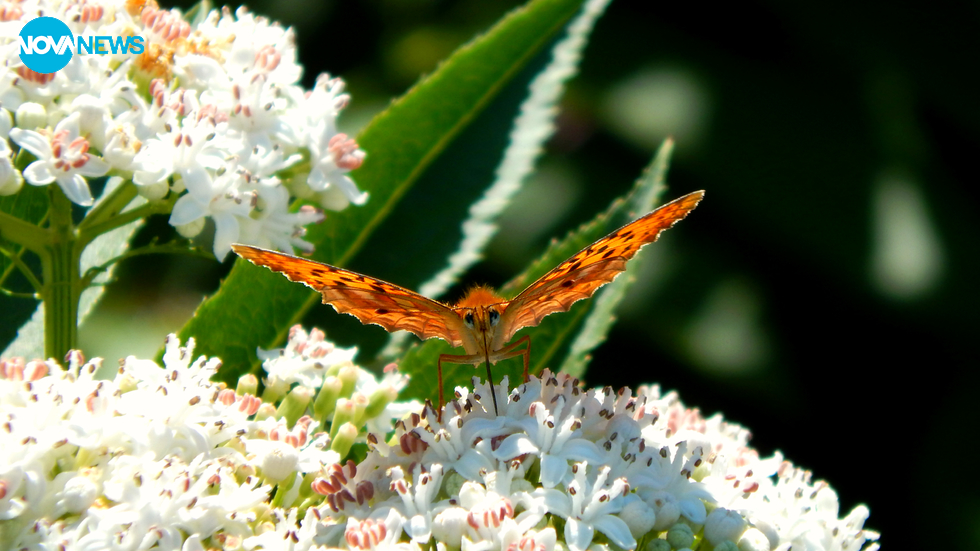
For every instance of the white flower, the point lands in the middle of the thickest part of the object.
(285, 532)
(556, 441)
(376, 534)
(590, 507)
(223, 199)
(272, 225)
(62, 156)
(224, 96)
(188, 150)
(332, 155)
(165, 458)
(722, 525)
(306, 359)
(417, 500)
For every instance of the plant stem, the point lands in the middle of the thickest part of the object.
(22, 233)
(88, 233)
(110, 206)
(61, 280)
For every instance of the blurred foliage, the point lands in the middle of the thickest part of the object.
(831, 268)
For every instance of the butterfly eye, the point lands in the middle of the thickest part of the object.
(494, 318)
(468, 319)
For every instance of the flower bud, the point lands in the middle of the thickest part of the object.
(449, 526)
(664, 505)
(638, 516)
(31, 116)
(275, 389)
(294, 405)
(656, 544)
(342, 442)
(344, 414)
(159, 190)
(680, 535)
(723, 524)
(266, 410)
(279, 462)
(379, 400)
(247, 384)
(79, 493)
(753, 540)
(348, 376)
(188, 230)
(326, 398)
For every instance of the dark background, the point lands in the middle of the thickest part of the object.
(824, 292)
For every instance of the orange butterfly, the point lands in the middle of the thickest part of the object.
(482, 322)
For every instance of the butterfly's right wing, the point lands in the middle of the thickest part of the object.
(370, 300)
(581, 275)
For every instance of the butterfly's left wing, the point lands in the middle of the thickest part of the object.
(592, 267)
(370, 300)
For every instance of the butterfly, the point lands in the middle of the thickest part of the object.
(483, 322)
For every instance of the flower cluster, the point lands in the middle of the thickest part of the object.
(164, 458)
(210, 115)
(563, 468)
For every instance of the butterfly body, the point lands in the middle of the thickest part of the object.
(482, 323)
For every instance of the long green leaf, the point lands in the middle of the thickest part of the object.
(254, 307)
(532, 127)
(596, 326)
(551, 339)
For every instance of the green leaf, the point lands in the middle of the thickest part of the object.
(597, 324)
(255, 307)
(30, 204)
(532, 126)
(552, 339)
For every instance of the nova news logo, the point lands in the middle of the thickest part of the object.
(47, 45)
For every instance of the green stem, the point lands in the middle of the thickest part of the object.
(152, 248)
(61, 279)
(23, 233)
(155, 207)
(110, 206)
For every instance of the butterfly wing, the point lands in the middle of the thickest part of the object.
(370, 300)
(592, 267)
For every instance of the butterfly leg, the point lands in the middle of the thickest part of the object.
(511, 351)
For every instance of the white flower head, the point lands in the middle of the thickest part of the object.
(192, 459)
(224, 95)
(306, 359)
(62, 157)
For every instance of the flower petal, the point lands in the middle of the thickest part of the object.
(616, 530)
(95, 166)
(187, 210)
(553, 470)
(226, 233)
(578, 535)
(76, 189)
(39, 173)
(32, 141)
(513, 446)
